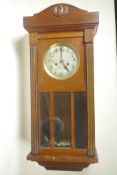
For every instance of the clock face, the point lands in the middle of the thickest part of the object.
(61, 61)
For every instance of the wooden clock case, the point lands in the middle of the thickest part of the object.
(67, 24)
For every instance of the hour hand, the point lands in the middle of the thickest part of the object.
(66, 67)
(61, 61)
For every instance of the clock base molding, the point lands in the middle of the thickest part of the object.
(70, 163)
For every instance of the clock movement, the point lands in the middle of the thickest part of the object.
(62, 87)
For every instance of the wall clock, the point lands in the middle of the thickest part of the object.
(62, 87)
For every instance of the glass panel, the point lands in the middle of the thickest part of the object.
(62, 118)
(80, 119)
(44, 101)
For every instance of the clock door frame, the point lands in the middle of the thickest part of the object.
(35, 150)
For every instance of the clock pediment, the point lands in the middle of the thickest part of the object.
(61, 17)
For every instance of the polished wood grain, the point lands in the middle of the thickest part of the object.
(33, 39)
(63, 23)
(90, 100)
(55, 35)
(34, 98)
(62, 151)
(74, 20)
(90, 90)
(63, 159)
(47, 83)
(61, 162)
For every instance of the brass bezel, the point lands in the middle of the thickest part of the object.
(69, 75)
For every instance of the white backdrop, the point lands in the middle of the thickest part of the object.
(15, 88)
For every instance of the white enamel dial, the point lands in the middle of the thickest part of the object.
(61, 61)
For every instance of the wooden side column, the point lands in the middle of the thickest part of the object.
(34, 96)
(88, 39)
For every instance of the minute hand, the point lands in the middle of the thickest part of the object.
(61, 59)
(61, 55)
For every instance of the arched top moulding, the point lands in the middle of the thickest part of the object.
(61, 17)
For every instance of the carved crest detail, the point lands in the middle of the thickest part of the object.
(60, 10)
